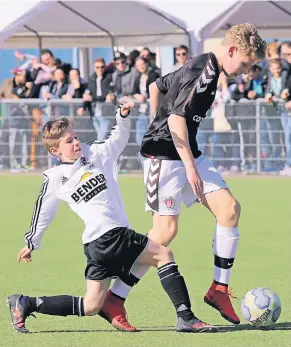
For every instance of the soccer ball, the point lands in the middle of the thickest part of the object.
(261, 307)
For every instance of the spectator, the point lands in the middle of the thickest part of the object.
(143, 80)
(252, 87)
(18, 124)
(141, 94)
(123, 78)
(286, 53)
(57, 87)
(40, 72)
(270, 121)
(132, 58)
(182, 56)
(99, 90)
(286, 124)
(150, 57)
(77, 86)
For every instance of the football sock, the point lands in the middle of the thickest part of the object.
(175, 286)
(122, 286)
(225, 245)
(61, 305)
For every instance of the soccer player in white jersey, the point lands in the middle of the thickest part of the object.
(175, 170)
(86, 179)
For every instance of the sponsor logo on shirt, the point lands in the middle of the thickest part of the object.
(88, 187)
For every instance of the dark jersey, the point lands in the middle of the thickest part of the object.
(189, 93)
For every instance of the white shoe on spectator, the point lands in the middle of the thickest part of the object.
(286, 171)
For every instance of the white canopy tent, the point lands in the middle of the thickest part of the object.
(65, 24)
(272, 19)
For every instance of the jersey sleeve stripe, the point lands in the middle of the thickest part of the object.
(28, 236)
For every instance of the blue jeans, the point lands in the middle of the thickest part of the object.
(270, 143)
(101, 126)
(142, 125)
(286, 124)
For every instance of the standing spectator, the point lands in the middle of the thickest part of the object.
(123, 78)
(286, 53)
(286, 124)
(141, 94)
(182, 56)
(271, 122)
(99, 90)
(18, 124)
(150, 57)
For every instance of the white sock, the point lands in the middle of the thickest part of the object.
(121, 289)
(225, 245)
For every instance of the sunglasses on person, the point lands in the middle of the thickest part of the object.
(120, 62)
(181, 54)
(99, 67)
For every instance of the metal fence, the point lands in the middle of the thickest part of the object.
(250, 136)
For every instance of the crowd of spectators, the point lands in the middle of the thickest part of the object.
(229, 135)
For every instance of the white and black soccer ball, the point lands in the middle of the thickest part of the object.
(261, 307)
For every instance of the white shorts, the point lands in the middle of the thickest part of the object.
(167, 186)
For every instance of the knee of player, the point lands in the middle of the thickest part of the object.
(169, 229)
(233, 208)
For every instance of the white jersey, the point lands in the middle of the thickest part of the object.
(89, 186)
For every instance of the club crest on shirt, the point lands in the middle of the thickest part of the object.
(169, 202)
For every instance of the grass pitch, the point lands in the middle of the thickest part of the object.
(58, 268)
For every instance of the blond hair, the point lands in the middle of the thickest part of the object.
(52, 132)
(273, 50)
(247, 39)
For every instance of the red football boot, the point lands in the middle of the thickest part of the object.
(218, 297)
(114, 312)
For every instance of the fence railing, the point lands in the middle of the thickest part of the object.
(250, 136)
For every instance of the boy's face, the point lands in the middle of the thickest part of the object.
(275, 69)
(69, 149)
(236, 63)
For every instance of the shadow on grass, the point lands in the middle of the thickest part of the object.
(222, 329)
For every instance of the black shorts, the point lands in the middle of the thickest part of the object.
(113, 254)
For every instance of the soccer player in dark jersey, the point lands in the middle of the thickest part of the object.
(176, 171)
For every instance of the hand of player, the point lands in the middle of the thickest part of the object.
(24, 255)
(125, 108)
(196, 183)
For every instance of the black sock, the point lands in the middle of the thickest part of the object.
(175, 286)
(61, 305)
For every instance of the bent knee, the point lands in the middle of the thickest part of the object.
(232, 209)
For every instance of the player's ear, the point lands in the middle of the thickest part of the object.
(54, 151)
(231, 51)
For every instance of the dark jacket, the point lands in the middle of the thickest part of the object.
(152, 76)
(58, 93)
(106, 86)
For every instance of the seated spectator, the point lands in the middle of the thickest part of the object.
(131, 59)
(99, 90)
(77, 86)
(182, 56)
(252, 87)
